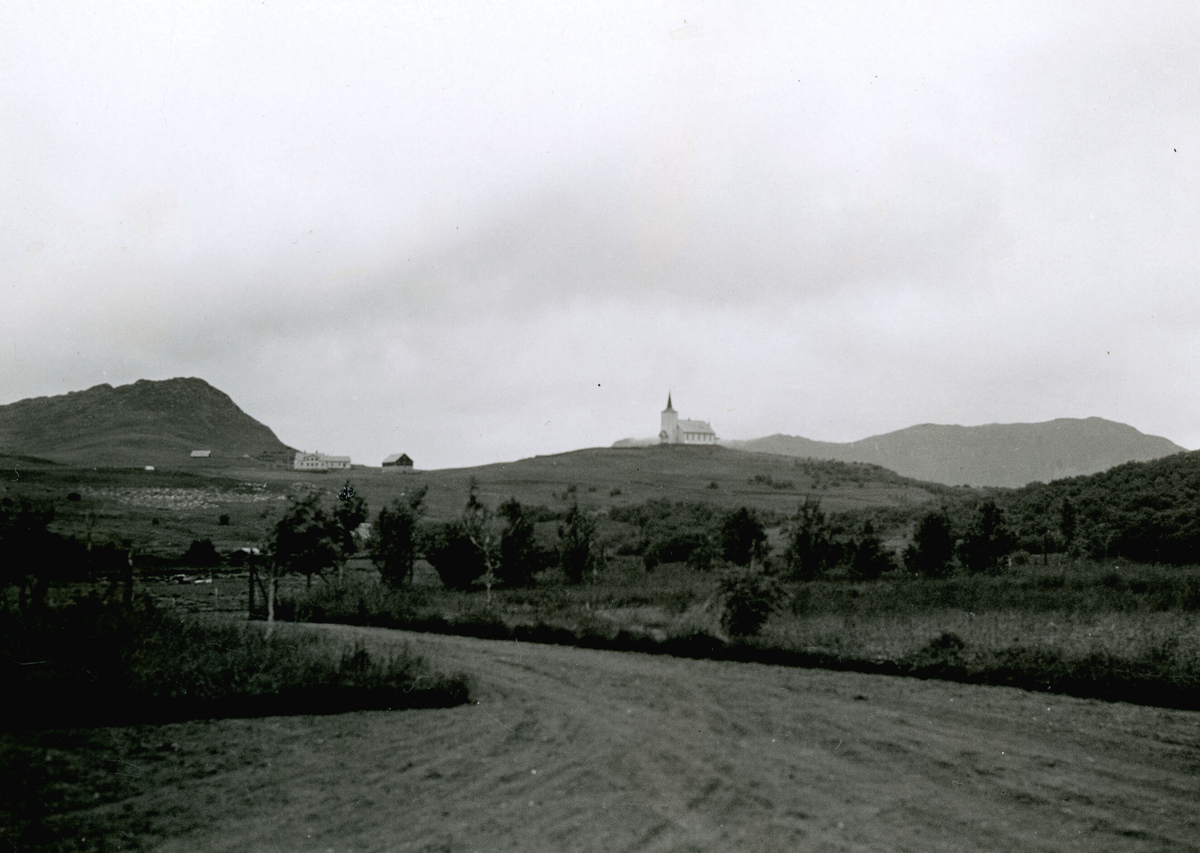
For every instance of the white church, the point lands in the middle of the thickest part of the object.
(676, 431)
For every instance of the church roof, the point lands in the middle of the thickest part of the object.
(695, 426)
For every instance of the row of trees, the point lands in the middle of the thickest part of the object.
(483, 547)
(976, 538)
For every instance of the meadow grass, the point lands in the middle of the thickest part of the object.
(93, 663)
(1111, 631)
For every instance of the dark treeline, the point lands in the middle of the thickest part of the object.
(1144, 511)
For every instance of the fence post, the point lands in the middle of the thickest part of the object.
(250, 596)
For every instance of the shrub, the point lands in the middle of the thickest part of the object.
(750, 596)
(692, 547)
(453, 555)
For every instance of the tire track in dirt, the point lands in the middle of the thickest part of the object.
(574, 749)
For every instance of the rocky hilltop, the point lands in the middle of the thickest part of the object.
(145, 423)
(991, 455)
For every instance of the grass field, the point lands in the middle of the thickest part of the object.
(1083, 628)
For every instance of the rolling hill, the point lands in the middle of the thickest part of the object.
(1009, 455)
(145, 423)
(600, 478)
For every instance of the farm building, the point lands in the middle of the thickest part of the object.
(398, 462)
(320, 462)
(201, 454)
(676, 431)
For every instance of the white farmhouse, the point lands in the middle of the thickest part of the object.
(320, 462)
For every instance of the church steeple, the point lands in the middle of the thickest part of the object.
(669, 434)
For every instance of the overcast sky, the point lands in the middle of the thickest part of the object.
(474, 233)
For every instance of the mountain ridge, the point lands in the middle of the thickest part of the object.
(1009, 455)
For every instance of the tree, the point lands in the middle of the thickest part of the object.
(452, 554)
(393, 545)
(870, 559)
(22, 535)
(932, 548)
(743, 538)
(307, 540)
(350, 513)
(483, 529)
(809, 544)
(201, 554)
(988, 539)
(519, 555)
(576, 549)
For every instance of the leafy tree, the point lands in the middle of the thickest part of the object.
(481, 526)
(453, 555)
(307, 540)
(577, 544)
(743, 538)
(988, 539)
(23, 535)
(750, 596)
(870, 559)
(809, 545)
(350, 513)
(393, 544)
(932, 548)
(519, 557)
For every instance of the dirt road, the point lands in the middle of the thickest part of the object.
(570, 749)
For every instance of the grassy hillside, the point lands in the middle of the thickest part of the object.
(145, 423)
(600, 478)
(162, 511)
(1008, 455)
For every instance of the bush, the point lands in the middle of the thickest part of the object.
(453, 555)
(690, 547)
(750, 596)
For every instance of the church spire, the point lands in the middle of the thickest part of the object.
(669, 402)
